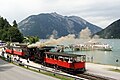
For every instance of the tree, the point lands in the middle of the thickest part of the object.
(5, 36)
(15, 23)
(8, 32)
(31, 39)
(15, 35)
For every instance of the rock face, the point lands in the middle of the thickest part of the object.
(46, 24)
(111, 32)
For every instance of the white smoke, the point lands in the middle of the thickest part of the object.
(61, 39)
(96, 37)
(85, 33)
(54, 34)
(53, 41)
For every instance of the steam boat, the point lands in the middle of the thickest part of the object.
(92, 46)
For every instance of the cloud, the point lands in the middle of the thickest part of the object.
(99, 12)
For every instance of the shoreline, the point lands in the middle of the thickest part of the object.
(104, 64)
(103, 70)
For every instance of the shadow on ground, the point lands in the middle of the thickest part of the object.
(4, 65)
(4, 68)
(2, 62)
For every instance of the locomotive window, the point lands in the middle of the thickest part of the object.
(52, 56)
(48, 56)
(56, 57)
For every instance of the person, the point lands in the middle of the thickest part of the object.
(92, 59)
(62, 49)
(28, 60)
(10, 59)
(58, 50)
(2, 54)
(18, 59)
(7, 56)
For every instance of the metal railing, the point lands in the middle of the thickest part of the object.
(54, 72)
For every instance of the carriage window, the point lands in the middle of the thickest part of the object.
(70, 60)
(81, 58)
(78, 59)
(66, 59)
(60, 58)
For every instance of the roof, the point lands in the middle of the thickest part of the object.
(63, 54)
(22, 44)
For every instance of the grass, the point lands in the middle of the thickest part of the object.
(44, 72)
(115, 70)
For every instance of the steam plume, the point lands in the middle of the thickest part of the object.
(85, 33)
(54, 41)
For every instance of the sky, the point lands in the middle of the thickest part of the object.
(99, 12)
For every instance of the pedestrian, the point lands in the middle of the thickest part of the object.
(2, 54)
(7, 56)
(10, 59)
(17, 58)
(28, 60)
(92, 59)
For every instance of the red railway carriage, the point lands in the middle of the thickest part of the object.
(71, 62)
(15, 52)
(19, 50)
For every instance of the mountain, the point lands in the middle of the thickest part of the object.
(46, 24)
(111, 32)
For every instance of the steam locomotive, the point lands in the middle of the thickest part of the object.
(43, 55)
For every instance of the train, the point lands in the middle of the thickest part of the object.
(59, 60)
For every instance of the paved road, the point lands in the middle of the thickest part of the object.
(9, 71)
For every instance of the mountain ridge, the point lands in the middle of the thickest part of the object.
(36, 25)
(111, 31)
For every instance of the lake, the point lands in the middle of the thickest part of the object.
(102, 57)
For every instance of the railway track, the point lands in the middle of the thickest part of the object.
(93, 77)
(89, 76)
